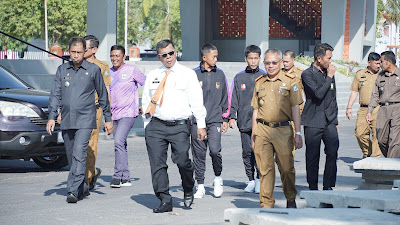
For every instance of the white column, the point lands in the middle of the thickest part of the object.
(102, 23)
(357, 28)
(190, 29)
(333, 24)
(257, 24)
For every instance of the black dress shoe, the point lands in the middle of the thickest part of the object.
(313, 187)
(94, 179)
(163, 207)
(291, 204)
(327, 189)
(188, 199)
(71, 198)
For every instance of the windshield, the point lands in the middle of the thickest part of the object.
(9, 81)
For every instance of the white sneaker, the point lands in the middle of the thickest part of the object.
(126, 183)
(257, 186)
(250, 186)
(200, 192)
(218, 189)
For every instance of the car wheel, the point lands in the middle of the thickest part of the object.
(51, 162)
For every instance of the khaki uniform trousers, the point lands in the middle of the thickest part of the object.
(363, 131)
(92, 148)
(388, 130)
(279, 142)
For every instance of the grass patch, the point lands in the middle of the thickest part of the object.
(304, 59)
(346, 71)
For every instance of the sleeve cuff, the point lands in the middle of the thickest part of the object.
(107, 118)
(201, 124)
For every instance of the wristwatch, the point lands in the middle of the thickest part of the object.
(300, 134)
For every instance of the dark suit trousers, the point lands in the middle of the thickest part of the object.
(76, 144)
(313, 137)
(158, 137)
(199, 150)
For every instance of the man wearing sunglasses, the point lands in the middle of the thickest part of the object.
(171, 95)
(276, 100)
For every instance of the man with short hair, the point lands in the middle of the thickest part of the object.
(363, 83)
(386, 93)
(288, 60)
(319, 117)
(92, 173)
(74, 88)
(215, 98)
(276, 101)
(171, 94)
(241, 111)
(125, 108)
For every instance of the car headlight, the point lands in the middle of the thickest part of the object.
(16, 109)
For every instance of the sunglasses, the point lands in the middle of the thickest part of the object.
(273, 63)
(166, 54)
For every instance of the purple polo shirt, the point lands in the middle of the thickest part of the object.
(124, 91)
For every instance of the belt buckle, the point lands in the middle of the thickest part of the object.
(272, 125)
(386, 103)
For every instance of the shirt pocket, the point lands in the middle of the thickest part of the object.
(381, 87)
(284, 91)
(362, 83)
(261, 98)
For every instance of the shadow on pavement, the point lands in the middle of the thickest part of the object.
(349, 159)
(246, 203)
(58, 191)
(21, 166)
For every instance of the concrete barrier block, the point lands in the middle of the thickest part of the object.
(381, 200)
(308, 216)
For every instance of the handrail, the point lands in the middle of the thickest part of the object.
(41, 49)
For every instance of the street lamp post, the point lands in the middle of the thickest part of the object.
(46, 27)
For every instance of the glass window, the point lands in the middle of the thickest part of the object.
(9, 81)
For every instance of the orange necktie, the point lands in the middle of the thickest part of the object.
(153, 103)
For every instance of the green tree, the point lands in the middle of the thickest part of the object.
(66, 19)
(163, 19)
(24, 19)
(137, 32)
(380, 9)
(392, 10)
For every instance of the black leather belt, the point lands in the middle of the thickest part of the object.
(364, 106)
(279, 124)
(171, 122)
(388, 103)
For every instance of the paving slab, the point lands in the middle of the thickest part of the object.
(309, 216)
(382, 200)
(377, 163)
(378, 173)
(396, 184)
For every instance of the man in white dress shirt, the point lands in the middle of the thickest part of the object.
(171, 95)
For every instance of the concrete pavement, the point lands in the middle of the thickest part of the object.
(31, 195)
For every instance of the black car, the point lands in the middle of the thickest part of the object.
(23, 118)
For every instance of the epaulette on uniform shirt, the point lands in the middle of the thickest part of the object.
(291, 76)
(258, 78)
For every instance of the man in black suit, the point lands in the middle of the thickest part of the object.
(320, 117)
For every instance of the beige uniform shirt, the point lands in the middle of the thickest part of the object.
(274, 99)
(386, 89)
(105, 71)
(364, 82)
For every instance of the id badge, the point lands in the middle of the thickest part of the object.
(332, 86)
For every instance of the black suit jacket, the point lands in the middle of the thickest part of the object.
(321, 107)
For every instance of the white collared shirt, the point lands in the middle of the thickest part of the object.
(183, 96)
